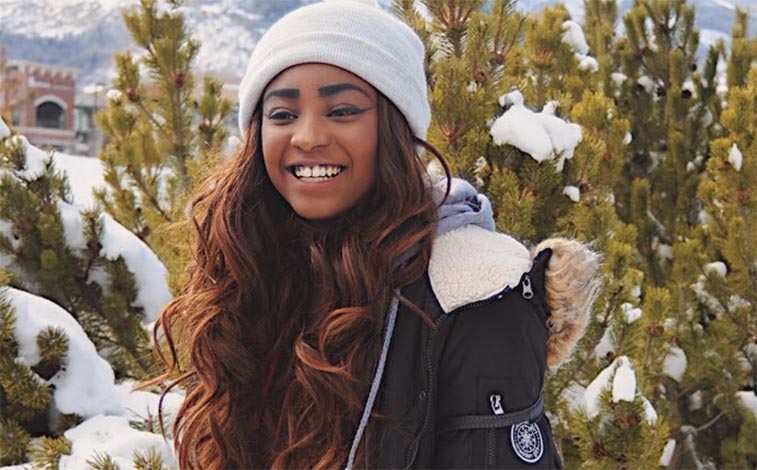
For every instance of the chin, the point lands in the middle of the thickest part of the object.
(317, 216)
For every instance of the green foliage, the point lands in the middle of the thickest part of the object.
(14, 442)
(149, 459)
(660, 198)
(42, 257)
(162, 135)
(102, 461)
(46, 452)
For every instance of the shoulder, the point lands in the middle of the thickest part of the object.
(470, 264)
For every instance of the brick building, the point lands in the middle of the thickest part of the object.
(39, 98)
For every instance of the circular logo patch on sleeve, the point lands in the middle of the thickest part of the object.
(527, 442)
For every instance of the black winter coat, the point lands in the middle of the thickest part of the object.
(465, 393)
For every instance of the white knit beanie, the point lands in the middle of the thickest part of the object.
(355, 35)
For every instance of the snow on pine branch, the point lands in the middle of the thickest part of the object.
(149, 273)
(573, 36)
(619, 378)
(541, 135)
(86, 386)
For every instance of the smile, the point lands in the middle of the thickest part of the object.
(315, 173)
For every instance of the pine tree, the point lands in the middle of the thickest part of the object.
(24, 393)
(161, 138)
(41, 258)
(628, 184)
(725, 289)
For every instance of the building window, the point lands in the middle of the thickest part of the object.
(50, 115)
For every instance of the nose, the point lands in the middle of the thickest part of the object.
(309, 133)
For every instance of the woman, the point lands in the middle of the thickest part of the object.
(344, 307)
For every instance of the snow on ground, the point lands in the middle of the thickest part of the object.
(541, 135)
(114, 436)
(86, 386)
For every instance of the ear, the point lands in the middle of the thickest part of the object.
(571, 285)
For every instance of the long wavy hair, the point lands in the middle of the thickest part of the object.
(282, 320)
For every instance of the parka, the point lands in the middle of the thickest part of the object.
(465, 390)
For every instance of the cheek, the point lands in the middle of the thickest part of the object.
(366, 140)
(271, 146)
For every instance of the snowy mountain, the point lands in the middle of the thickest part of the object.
(86, 33)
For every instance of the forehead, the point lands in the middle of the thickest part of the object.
(314, 75)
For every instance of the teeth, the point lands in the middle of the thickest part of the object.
(322, 172)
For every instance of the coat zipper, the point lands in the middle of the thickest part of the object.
(528, 292)
(479, 303)
(413, 448)
(495, 400)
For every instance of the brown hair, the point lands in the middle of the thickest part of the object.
(281, 320)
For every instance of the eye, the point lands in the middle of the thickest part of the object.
(345, 112)
(280, 115)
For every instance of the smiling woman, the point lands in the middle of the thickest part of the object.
(345, 307)
(320, 136)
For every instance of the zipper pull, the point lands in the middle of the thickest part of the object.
(527, 291)
(495, 400)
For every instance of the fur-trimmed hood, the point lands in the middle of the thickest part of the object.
(471, 262)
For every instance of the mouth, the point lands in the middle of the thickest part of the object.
(316, 173)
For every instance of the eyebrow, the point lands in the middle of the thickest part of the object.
(330, 90)
(324, 91)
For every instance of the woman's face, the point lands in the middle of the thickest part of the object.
(319, 136)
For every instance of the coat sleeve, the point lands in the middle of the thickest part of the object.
(492, 365)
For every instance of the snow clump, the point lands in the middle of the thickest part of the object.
(630, 312)
(674, 364)
(573, 36)
(646, 82)
(748, 400)
(735, 158)
(716, 267)
(541, 135)
(572, 192)
(149, 273)
(667, 452)
(86, 385)
(114, 436)
(4, 131)
(620, 378)
(113, 95)
(605, 346)
(587, 63)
